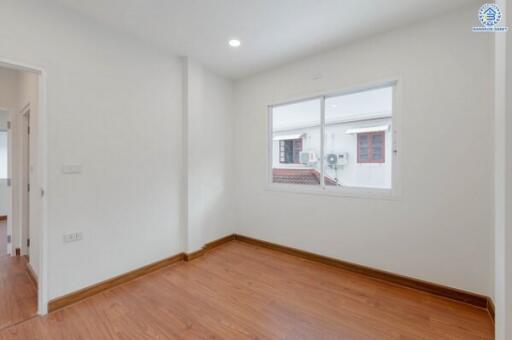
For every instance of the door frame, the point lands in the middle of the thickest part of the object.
(24, 179)
(42, 154)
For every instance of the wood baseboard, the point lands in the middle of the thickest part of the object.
(193, 255)
(208, 246)
(490, 308)
(32, 274)
(3, 218)
(84, 293)
(473, 299)
(432, 288)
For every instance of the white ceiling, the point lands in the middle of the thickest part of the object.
(272, 31)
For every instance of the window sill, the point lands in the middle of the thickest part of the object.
(353, 192)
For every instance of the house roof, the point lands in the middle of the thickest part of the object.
(286, 137)
(299, 176)
(367, 129)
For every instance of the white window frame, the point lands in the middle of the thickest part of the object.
(394, 193)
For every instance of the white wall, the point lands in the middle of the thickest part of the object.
(114, 106)
(508, 206)
(440, 228)
(503, 180)
(209, 155)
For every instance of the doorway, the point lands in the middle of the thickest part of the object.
(20, 207)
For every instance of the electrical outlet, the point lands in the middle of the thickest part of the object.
(72, 237)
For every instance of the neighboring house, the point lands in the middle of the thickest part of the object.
(358, 153)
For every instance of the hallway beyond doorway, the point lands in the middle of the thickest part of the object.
(3, 238)
(18, 291)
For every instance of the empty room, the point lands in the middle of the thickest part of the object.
(255, 169)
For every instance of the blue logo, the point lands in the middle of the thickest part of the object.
(490, 16)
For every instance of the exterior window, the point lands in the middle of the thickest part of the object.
(335, 142)
(296, 143)
(371, 147)
(289, 151)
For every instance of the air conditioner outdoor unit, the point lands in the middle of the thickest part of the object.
(334, 159)
(343, 158)
(308, 157)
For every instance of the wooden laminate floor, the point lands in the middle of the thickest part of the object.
(240, 291)
(18, 295)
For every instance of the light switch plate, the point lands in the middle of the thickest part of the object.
(72, 169)
(72, 237)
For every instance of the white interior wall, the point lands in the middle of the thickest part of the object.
(114, 107)
(209, 155)
(502, 178)
(508, 173)
(440, 228)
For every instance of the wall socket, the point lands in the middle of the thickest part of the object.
(72, 237)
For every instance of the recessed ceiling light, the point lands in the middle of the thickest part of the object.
(234, 43)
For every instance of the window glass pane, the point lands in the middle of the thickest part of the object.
(296, 143)
(363, 148)
(3, 154)
(358, 139)
(377, 147)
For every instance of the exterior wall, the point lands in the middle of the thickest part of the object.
(439, 229)
(337, 141)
